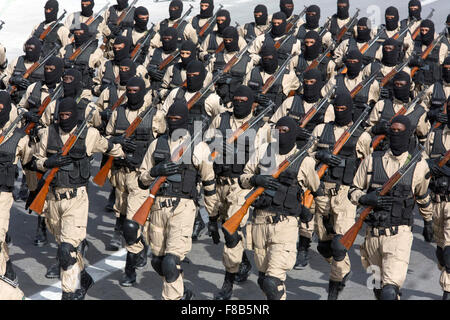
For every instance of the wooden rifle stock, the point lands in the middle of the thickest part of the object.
(26, 75)
(427, 51)
(168, 60)
(51, 27)
(220, 48)
(315, 108)
(208, 23)
(347, 26)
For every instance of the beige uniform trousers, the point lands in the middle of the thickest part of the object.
(390, 253)
(170, 231)
(129, 198)
(275, 245)
(343, 214)
(232, 198)
(67, 221)
(441, 223)
(307, 229)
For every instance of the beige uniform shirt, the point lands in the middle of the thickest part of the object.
(443, 50)
(103, 100)
(289, 82)
(63, 33)
(95, 59)
(199, 159)
(391, 164)
(189, 33)
(82, 19)
(342, 49)
(350, 84)
(205, 44)
(227, 56)
(366, 72)
(23, 103)
(164, 55)
(10, 70)
(259, 30)
(255, 48)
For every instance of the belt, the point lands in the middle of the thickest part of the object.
(390, 231)
(226, 181)
(275, 219)
(65, 195)
(169, 203)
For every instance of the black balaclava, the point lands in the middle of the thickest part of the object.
(286, 141)
(74, 88)
(391, 58)
(312, 22)
(175, 14)
(32, 55)
(391, 24)
(428, 38)
(312, 52)
(343, 118)
(88, 10)
(399, 141)
(342, 12)
(415, 13)
(54, 77)
(270, 65)
(79, 40)
(363, 35)
(52, 16)
(283, 8)
(140, 25)
(188, 45)
(402, 93)
(278, 31)
(208, 13)
(119, 55)
(5, 99)
(311, 93)
(445, 71)
(231, 32)
(136, 100)
(178, 108)
(169, 45)
(226, 23)
(195, 83)
(263, 19)
(125, 76)
(353, 69)
(244, 108)
(122, 4)
(68, 104)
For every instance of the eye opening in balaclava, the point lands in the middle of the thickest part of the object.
(121, 53)
(53, 15)
(125, 76)
(179, 110)
(399, 141)
(446, 70)
(187, 45)
(220, 16)
(287, 6)
(312, 17)
(363, 34)
(241, 107)
(353, 68)
(279, 30)
(391, 24)
(87, 11)
(269, 58)
(286, 140)
(427, 38)
(261, 20)
(402, 93)
(140, 24)
(311, 92)
(135, 99)
(32, 49)
(195, 82)
(53, 77)
(207, 13)
(343, 117)
(81, 35)
(343, 7)
(169, 39)
(414, 13)
(391, 58)
(313, 51)
(72, 84)
(68, 104)
(231, 33)
(175, 14)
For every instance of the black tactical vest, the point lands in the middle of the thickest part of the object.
(197, 112)
(284, 50)
(180, 185)
(359, 101)
(34, 100)
(438, 97)
(155, 62)
(439, 185)
(401, 212)
(20, 69)
(334, 29)
(164, 25)
(352, 45)
(275, 92)
(8, 170)
(76, 174)
(303, 65)
(82, 63)
(50, 40)
(82, 104)
(249, 31)
(93, 27)
(113, 17)
(374, 67)
(343, 173)
(432, 69)
(297, 112)
(177, 79)
(108, 75)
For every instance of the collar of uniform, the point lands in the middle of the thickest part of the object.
(401, 158)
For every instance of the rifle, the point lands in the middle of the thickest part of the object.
(428, 50)
(36, 66)
(279, 44)
(363, 84)
(188, 12)
(325, 28)
(307, 197)
(349, 237)
(101, 176)
(438, 124)
(92, 19)
(315, 108)
(416, 32)
(38, 203)
(369, 44)
(347, 26)
(232, 224)
(401, 32)
(168, 60)
(293, 20)
(56, 94)
(392, 73)
(142, 214)
(52, 27)
(402, 111)
(319, 59)
(11, 127)
(209, 23)
(81, 49)
(138, 48)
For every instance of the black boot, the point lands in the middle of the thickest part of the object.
(446, 295)
(116, 242)
(227, 287)
(54, 271)
(86, 282)
(129, 277)
(111, 200)
(335, 287)
(41, 233)
(244, 270)
(199, 225)
(302, 253)
(187, 295)
(142, 260)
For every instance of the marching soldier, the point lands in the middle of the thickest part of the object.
(287, 7)
(335, 214)
(67, 200)
(185, 30)
(198, 21)
(254, 29)
(340, 19)
(87, 12)
(414, 10)
(278, 210)
(173, 213)
(438, 143)
(312, 23)
(388, 238)
(13, 148)
(59, 35)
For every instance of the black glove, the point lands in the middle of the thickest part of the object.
(106, 114)
(419, 77)
(381, 127)
(416, 61)
(166, 168)
(57, 161)
(156, 74)
(31, 117)
(306, 215)
(225, 78)
(428, 231)
(385, 93)
(373, 199)
(114, 28)
(213, 229)
(328, 158)
(442, 118)
(128, 145)
(207, 57)
(366, 60)
(265, 181)
(20, 81)
(437, 171)
(303, 134)
(68, 64)
(262, 99)
(432, 114)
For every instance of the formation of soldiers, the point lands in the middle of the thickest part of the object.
(279, 129)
